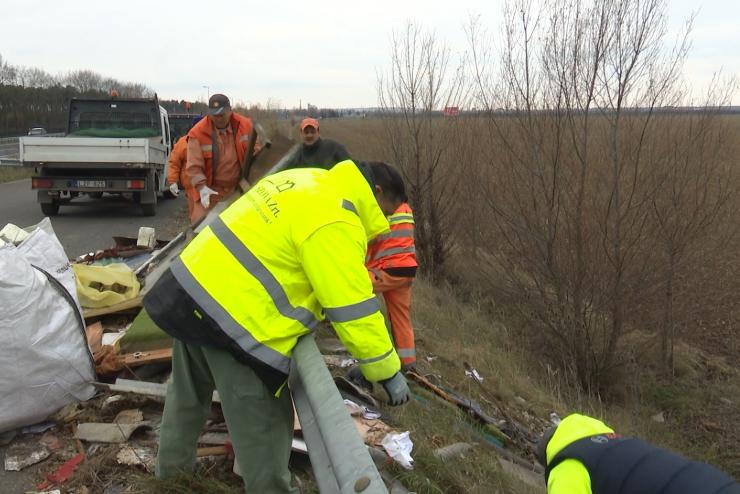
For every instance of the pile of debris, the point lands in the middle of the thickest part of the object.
(121, 368)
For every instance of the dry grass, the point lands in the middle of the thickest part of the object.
(699, 404)
(9, 174)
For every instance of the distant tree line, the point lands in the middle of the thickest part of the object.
(32, 97)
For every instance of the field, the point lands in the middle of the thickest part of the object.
(693, 407)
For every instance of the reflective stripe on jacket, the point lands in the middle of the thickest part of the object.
(204, 132)
(286, 254)
(396, 248)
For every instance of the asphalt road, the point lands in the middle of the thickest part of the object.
(85, 224)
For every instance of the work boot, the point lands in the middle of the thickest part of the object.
(355, 376)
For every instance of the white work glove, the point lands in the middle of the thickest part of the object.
(174, 189)
(205, 195)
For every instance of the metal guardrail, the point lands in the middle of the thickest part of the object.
(340, 460)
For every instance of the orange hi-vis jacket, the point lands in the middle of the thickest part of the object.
(394, 249)
(176, 164)
(205, 133)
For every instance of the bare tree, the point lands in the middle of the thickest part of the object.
(7, 73)
(573, 139)
(423, 143)
(690, 207)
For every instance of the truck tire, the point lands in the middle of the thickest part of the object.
(149, 209)
(50, 208)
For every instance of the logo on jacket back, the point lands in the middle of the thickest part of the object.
(269, 202)
(604, 438)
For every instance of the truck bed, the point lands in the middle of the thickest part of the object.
(91, 151)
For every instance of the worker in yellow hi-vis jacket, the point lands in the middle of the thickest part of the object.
(285, 255)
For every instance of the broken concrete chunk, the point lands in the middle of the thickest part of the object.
(20, 456)
(12, 234)
(129, 417)
(108, 433)
(452, 451)
(136, 456)
(146, 388)
(147, 237)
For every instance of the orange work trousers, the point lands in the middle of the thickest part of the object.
(396, 291)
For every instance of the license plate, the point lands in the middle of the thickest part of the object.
(92, 184)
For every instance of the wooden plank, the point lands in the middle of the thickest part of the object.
(141, 358)
(94, 333)
(133, 303)
(212, 451)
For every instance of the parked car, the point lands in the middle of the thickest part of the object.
(37, 131)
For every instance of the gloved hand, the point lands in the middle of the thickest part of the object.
(205, 195)
(174, 189)
(397, 389)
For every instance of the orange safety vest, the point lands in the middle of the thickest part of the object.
(205, 132)
(394, 249)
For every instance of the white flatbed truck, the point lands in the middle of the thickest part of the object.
(118, 146)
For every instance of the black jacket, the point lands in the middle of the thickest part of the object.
(324, 153)
(619, 465)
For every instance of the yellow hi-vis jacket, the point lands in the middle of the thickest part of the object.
(570, 476)
(286, 254)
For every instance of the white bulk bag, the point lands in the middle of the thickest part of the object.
(45, 362)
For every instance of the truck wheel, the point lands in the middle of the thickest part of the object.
(149, 209)
(95, 195)
(50, 208)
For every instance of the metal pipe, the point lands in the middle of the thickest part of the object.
(339, 458)
(160, 253)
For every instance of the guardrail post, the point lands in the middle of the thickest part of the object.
(340, 460)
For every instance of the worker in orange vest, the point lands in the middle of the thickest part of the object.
(217, 146)
(176, 176)
(391, 264)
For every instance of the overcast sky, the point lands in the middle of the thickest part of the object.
(322, 52)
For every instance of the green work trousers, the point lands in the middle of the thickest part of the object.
(260, 425)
